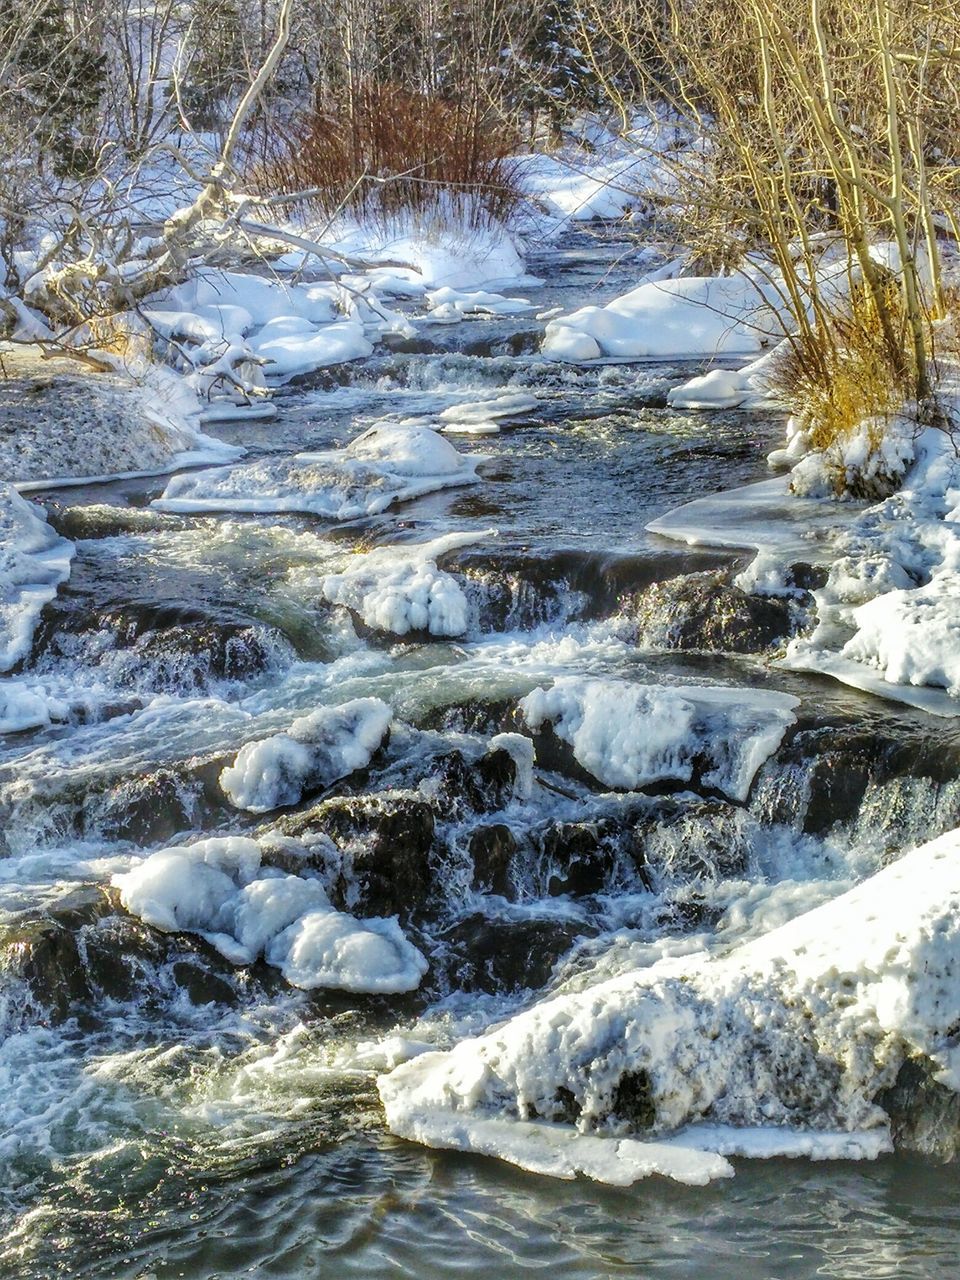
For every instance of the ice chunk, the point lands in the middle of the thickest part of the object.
(218, 889)
(183, 888)
(453, 304)
(521, 750)
(387, 464)
(329, 949)
(792, 1034)
(629, 736)
(401, 589)
(319, 748)
(505, 406)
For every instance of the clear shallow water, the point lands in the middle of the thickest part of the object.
(150, 1132)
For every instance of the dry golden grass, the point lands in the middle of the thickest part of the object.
(839, 380)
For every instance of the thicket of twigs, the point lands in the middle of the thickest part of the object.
(395, 155)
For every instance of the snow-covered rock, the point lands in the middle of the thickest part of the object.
(629, 736)
(318, 749)
(218, 889)
(751, 386)
(388, 463)
(692, 316)
(401, 589)
(789, 1037)
(451, 305)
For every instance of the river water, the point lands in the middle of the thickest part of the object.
(165, 1114)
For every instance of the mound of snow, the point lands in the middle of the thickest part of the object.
(289, 352)
(629, 736)
(319, 748)
(694, 316)
(34, 561)
(795, 1031)
(401, 589)
(218, 890)
(388, 463)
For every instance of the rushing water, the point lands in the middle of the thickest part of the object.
(166, 1115)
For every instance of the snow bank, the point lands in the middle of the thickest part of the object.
(629, 736)
(443, 255)
(388, 463)
(606, 174)
(319, 748)
(792, 1034)
(34, 561)
(887, 616)
(693, 316)
(218, 890)
(401, 589)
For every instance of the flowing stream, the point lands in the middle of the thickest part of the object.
(165, 1113)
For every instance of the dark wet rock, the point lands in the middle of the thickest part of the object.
(372, 850)
(147, 810)
(201, 985)
(580, 857)
(185, 656)
(492, 850)
(85, 950)
(458, 786)
(924, 1114)
(45, 952)
(483, 954)
(101, 521)
(705, 611)
(633, 1101)
(517, 588)
(808, 577)
(162, 647)
(473, 715)
(566, 1107)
